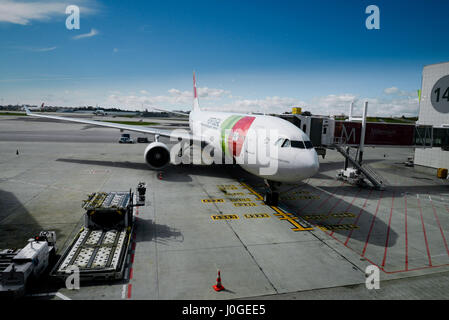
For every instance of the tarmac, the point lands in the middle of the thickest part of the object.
(200, 219)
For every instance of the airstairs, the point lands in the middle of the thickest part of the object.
(355, 157)
(351, 155)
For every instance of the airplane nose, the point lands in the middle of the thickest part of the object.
(314, 164)
(309, 163)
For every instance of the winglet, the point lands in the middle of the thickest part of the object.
(196, 104)
(195, 95)
(28, 111)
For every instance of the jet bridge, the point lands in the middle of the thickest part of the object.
(349, 137)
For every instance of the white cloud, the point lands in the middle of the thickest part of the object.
(212, 93)
(92, 33)
(173, 98)
(23, 12)
(392, 90)
(43, 49)
(401, 93)
(331, 104)
(267, 105)
(406, 106)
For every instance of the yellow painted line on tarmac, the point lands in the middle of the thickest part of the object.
(300, 198)
(256, 215)
(281, 214)
(225, 217)
(335, 227)
(245, 204)
(236, 194)
(316, 217)
(343, 215)
(259, 197)
(290, 218)
(227, 186)
(240, 200)
(212, 200)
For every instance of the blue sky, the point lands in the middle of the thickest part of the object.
(249, 55)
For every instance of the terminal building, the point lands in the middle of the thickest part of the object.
(429, 136)
(434, 111)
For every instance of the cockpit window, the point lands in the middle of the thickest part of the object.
(279, 142)
(308, 144)
(298, 144)
(286, 144)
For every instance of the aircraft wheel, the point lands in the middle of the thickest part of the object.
(271, 198)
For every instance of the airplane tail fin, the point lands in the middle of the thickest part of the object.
(196, 105)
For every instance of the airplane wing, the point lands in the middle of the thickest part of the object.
(178, 134)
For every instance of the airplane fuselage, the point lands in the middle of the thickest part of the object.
(240, 136)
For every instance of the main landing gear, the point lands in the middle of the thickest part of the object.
(271, 197)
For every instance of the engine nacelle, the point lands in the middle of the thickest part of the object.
(157, 155)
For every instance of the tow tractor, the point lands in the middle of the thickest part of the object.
(100, 248)
(17, 267)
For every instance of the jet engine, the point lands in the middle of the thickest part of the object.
(157, 155)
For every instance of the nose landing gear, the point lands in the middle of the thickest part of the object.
(271, 197)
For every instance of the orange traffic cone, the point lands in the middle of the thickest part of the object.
(218, 286)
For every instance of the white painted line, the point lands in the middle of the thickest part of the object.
(61, 296)
(42, 294)
(57, 294)
(124, 291)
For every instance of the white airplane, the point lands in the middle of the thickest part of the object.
(37, 108)
(100, 112)
(229, 134)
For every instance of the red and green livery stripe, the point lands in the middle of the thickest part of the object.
(233, 133)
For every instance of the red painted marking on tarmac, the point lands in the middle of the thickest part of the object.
(349, 207)
(424, 231)
(327, 199)
(335, 205)
(132, 258)
(406, 235)
(129, 290)
(358, 217)
(372, 224)
(439, 226)
(133, 246)
(380, 267)
(390, 272)
(388, 231)
(130, 273)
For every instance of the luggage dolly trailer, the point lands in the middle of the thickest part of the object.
(99, 249)
(17, 267)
